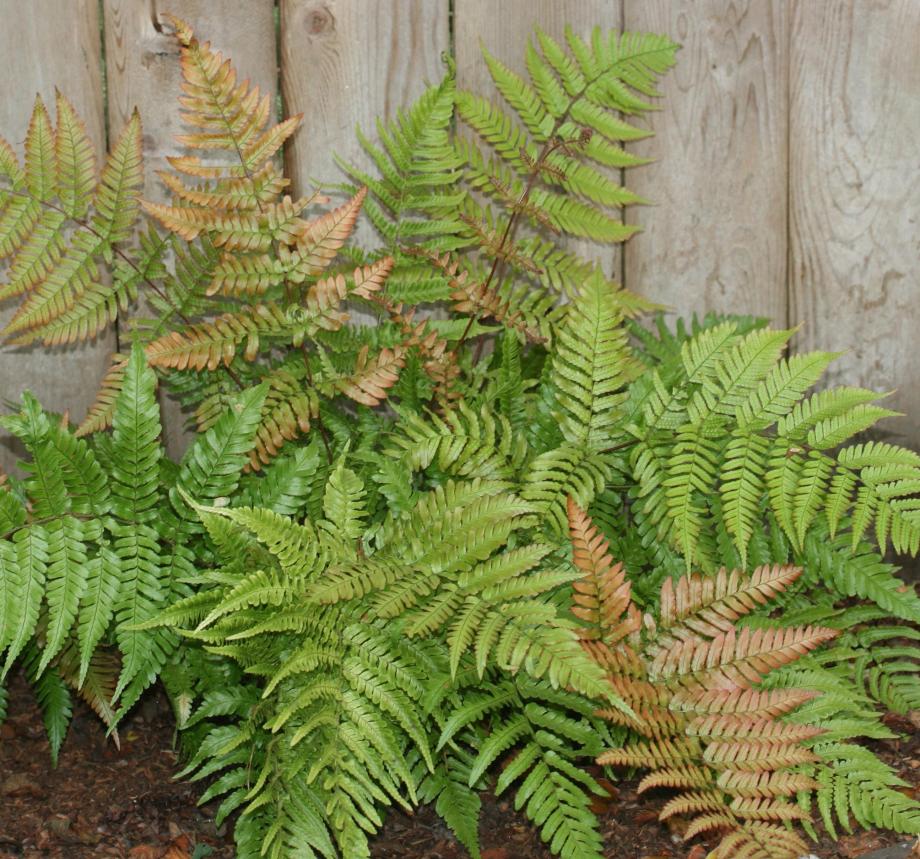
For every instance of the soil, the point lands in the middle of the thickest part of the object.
(104, 802)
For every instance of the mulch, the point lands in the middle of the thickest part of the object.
(104, 802)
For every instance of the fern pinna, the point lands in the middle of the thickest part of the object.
(60, 222)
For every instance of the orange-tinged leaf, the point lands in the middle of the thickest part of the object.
(708, 605)
(374, 376)
(736, 659)
(602, 595)
(320, 239)
(100, 412)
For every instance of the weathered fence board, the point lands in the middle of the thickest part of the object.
(43, 45)
(855, 192)
(715, 234)
(343, 64)
(787, 174)
(142, 63)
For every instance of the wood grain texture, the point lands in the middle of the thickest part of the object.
(715, 236)
(346, 62)
(855, 193)
(44, 44)
(142, 59)
(504, 29)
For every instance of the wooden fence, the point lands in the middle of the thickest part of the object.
(788, 179)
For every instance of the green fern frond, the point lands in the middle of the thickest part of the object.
(59, 225)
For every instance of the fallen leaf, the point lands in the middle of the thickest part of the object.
(495, 853)
(899, 723)
(180, 848)
(21, 784)
(697, 852)
(146, 851)
(647, 816)
(853, 846)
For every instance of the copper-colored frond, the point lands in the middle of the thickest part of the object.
(100, 412)
(245, 275)
(602, 595)
(209, 344)
(373, 377)
(751, 702)
(709, 822)
(739, 727)
(287, 412)
(708, 605)
(736, 660)
(755, 840)
(235, 194)
(653, 755)
(319, 240)
(754, 756)
(767, 809)
(370, 279)
(694, 802)
(764, 784)
(680, 778)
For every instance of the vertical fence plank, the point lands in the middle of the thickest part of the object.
(43, 45)
(715, 237)
(143, 71)
(504, 29)
(855, 192)
(346, 62)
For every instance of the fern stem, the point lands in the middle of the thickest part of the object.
(508, 235)
(551, 145)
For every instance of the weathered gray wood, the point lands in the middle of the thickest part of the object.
(346, 62)
(43, 45)
(715, 236)
(855, 193)
(504, 30)
(142, 60)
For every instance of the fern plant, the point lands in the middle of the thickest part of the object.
(358, 585)
(695, 682)
(91, 545)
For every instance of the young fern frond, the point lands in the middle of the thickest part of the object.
(691, 679)
(59, 223)
(237, 203)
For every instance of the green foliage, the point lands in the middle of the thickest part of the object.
(357, 585)
(59, 222)
(91, 549)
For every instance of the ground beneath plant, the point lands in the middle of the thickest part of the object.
(123, 803)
